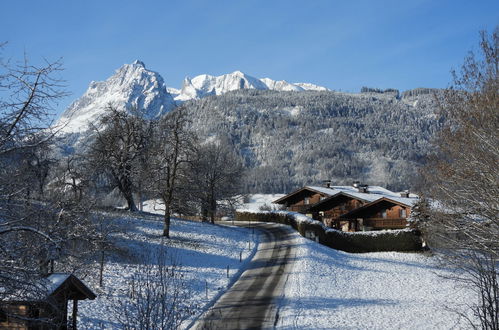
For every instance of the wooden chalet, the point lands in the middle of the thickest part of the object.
(383, 213)
(49, 309)
(329, 210)
(351, 208)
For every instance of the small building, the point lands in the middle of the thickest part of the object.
(383, 213)
(47, 309)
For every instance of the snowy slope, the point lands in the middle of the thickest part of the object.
(132, 85)
(204, 252)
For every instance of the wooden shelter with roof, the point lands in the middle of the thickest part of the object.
(48, 308)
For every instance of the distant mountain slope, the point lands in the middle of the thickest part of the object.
(288, 139)
(132, 85)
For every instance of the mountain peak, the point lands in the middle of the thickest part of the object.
(238, 73)
(140, 63)
(132, 86)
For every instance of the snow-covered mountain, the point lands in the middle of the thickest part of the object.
(380, 135)
(132, 85)
(204, 85)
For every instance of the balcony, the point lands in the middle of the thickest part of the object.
(298, 208)
(384, 223)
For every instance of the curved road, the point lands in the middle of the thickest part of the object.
(252, 302)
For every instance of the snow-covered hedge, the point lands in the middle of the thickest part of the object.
(369, 241)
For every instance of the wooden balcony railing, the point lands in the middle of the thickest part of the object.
(298, 208)
(397, 223)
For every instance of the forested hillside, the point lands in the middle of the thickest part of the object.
(288, 139)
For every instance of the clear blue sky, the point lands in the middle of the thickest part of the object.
(343, 45)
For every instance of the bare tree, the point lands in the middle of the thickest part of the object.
(462, 179)
(117, 148)
(172, 151)
(218, 174)
(157, 297)
(31, 92)
(36, 236)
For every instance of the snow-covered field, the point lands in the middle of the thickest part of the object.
(331, 289)
(204, 252)
(257, 202)
(327, 289)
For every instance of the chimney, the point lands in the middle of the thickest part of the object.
(363, 188)
(405, 194)
(327, 183)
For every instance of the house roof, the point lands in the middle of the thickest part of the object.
(70, 284)
(374, 192)
(359, 196)
(403, 201)
(52, 286)
(322, 190)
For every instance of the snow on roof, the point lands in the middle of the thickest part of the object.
(328, 191)
(55, 281)
(409, 201)
(374, 193)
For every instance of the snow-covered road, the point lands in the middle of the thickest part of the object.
(253, 301)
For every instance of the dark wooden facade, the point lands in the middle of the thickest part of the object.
(302, 199)
(383, 213)
(329, 210)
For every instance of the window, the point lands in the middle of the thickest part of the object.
(403, 213)
(306, 201)
(383, 214)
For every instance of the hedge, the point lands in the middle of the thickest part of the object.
(369, 241)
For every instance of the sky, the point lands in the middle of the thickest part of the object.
(342, 45)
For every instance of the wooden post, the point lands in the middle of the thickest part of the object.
(101, 270)
(75, 313)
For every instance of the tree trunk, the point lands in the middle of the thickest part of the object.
(204, 213)
(166, 229)
(213, 209)
(130, 202)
